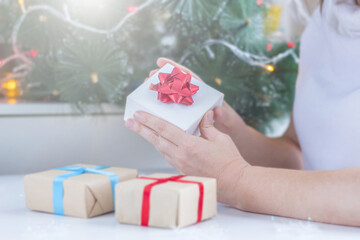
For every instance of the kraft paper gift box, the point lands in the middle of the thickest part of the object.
(186, 117)
(165, 200)
(79, 191)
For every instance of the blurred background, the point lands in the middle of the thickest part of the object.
(66, 67)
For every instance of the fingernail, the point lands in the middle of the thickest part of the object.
(130, 123)
(138, 115)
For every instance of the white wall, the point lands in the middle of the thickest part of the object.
(32, 140)
(33, 143)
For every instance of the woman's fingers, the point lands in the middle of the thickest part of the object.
(163, 61)
(162, 127)
(218, 113)
(153, 72)
(163, 145)
(168, 149)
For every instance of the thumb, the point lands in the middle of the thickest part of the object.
(207, 129)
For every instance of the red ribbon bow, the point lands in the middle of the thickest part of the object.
(175, 87)
(145, 209)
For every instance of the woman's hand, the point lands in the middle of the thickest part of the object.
(163, 61)
(211, 155)
(226, 119)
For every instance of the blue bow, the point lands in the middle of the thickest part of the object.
(58, 183)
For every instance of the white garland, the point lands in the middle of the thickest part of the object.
(251, 59)
(62, 16)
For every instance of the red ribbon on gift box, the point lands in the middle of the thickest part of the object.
(145, 209)
(175, 87)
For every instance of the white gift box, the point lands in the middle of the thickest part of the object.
(186, 117)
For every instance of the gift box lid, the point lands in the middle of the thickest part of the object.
(186, 117)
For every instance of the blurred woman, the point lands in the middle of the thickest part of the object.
(264, 175)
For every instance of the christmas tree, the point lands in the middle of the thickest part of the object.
(92, 52)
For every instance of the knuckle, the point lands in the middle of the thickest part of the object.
(154, 139)
(144, 118)
(161, 143)
(162, 127)
(138, 128)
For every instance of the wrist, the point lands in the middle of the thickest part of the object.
(229, 181)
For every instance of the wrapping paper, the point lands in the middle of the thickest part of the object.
(175, 87)
(172, 204)
(85, 195)
(184, 115)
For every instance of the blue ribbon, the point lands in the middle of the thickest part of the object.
(58, 183)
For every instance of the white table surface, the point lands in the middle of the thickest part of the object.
(16, 222)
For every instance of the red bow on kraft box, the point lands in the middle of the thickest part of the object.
(175, 87)
(145, 209)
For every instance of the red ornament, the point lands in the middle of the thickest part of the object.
(33, 53)
(259, 2)
(175, 87)
(291, 45)
(269, 46)
(132, 9)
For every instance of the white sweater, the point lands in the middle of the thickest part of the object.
(327, 102)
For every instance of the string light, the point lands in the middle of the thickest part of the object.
(64, 17)
(13, 94)
(10, 85)
(251, 59)
(42, 18)
(132, 9)
(33, 53)
(269, 68)
(218, 81)
(11, 88)
(268, 46)
(4, 61)
(55, 92)
(246, 56)
(22, 6)
(94, 78)
(12, 101)
(291, 45)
